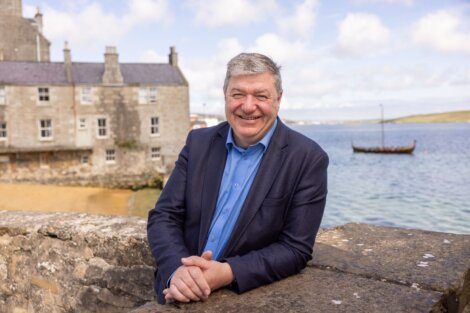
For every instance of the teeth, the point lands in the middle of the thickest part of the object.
(249, 118)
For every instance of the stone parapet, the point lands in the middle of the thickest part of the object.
(68, 262)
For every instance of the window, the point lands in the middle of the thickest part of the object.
(45, 129)
(3, 130)
(102, 128)
(43, 93)
(152, 95)
(82, 123)
(147, 95)
(154, 126)
(86, 95)
(3, 95)
(155, 153)
(110, 156)
(85, 159)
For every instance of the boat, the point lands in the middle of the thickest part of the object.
(383, 148)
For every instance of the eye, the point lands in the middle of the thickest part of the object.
(262, 97)
(237, 95)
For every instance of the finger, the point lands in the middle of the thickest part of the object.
(207, 255)
(192, 284)
(200, 280)
(196, 261)
(185, 290)
(176, 294)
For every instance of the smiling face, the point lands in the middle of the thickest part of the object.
(251, 106)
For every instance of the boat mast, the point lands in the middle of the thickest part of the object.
(382, 122)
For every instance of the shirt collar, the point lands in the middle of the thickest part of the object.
(264, 141)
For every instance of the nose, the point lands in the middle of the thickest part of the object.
(249, 105)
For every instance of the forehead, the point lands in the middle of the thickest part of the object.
(261, 81)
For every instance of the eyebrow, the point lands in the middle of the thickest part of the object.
(256, 91)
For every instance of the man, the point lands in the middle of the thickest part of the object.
(246, 198)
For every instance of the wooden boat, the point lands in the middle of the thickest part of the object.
(390, 149)
(383, 148)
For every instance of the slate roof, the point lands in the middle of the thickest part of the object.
(54, 73)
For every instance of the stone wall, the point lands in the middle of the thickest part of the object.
(64, 262)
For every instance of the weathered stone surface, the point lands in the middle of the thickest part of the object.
(68, 262)
(423, 259)
(315, 290)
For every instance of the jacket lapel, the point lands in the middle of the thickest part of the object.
(267, 172)
(215, 166)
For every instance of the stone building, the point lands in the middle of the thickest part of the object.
(21, 39)
(110, 123)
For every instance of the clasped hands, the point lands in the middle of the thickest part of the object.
(197, 277)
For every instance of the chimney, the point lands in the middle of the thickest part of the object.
(173, 57)
(38, 19)
(68, 61)
(112, 72)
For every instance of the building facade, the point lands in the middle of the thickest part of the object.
(108, 124)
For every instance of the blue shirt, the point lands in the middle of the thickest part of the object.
(240, 170)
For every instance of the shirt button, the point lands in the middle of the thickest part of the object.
(225, 211)
(236, 186)
(212, 238)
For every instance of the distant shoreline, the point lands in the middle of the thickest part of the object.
(444, 117)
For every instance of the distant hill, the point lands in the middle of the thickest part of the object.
(447, 117)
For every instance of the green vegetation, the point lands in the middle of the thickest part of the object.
(447, 117)
(143, 201)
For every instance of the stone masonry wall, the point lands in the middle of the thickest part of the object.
(66, 262)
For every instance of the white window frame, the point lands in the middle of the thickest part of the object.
(86, 95)
(155, 153)
(3, 95)
(110, 156)
(46, 129)
(85, 159)
(44, 95)
(3, 131)
(152, 95)
(154, 126)
(82, 123)
(148, 95)
(103, 128)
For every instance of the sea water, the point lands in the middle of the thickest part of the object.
(429, 189)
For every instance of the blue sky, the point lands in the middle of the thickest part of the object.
(340, 59)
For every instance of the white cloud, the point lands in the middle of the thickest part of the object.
(403, 2)
(151, 56)
(280, 49)
(215, 13)
(93, 25)
(362, 34)
(440, 31)
(300, 23)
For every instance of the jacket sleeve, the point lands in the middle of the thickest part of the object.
(293, 248)
(166, 221)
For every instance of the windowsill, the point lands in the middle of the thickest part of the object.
(156, 160)
(86, 103)
(99, 137)
(110, 162)
(46, 139)
(43, 103)
(154, 135)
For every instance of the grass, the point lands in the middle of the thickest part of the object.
(447, 117)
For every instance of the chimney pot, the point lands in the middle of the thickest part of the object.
(173, 57)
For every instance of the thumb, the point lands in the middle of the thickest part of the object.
(196, 261)
(207, 255)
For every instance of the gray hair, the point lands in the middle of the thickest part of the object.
(253, 63)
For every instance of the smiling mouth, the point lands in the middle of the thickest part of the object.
(248, 118)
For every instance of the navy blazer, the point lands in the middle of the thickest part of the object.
(275, 232)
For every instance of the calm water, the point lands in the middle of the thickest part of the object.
(427, 190)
